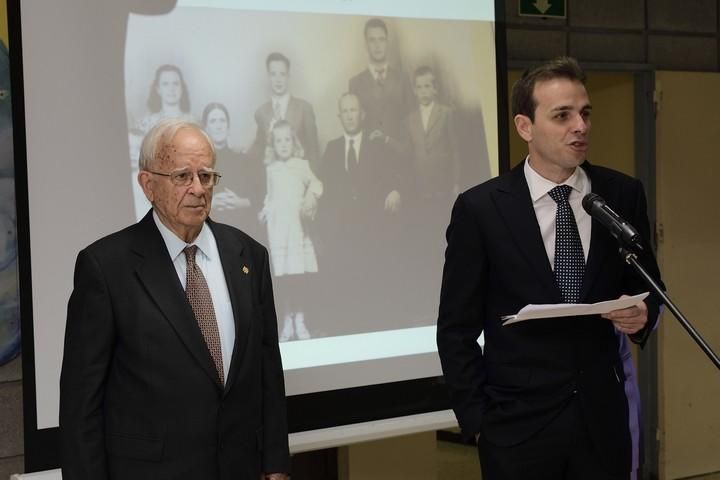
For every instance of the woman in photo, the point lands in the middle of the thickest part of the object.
(169, 98)
(237, 199)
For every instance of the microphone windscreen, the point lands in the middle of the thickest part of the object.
(591, 201)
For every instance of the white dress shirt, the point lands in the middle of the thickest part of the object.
(357, 140)
(280, 106)
(376, 70)
(207, 258)
(425, 112)
(546, 208)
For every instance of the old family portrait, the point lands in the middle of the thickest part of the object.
(342, 142)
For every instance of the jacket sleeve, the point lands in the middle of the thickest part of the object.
(276, 457)
(460, 320)
(312, 149)
(89, 339)
(635, 283)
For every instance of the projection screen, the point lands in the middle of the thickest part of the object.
(91, 77)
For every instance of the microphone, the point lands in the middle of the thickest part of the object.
(623, 232)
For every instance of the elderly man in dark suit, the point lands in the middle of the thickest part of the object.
(171, 366)
(362, 179)
(546, 399)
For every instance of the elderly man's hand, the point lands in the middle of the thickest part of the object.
(308, 208)
(378, 134)
(392, 201)
(628, 320)
(274, 476)
(229, 200)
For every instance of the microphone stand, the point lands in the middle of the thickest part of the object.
(631, 259)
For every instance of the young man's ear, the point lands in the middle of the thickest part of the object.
(523, 125)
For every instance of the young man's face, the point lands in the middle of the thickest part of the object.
(425, 90)
(558, 139)
(351, 115)
(279, 77)
(376, 43)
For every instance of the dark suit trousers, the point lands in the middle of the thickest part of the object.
(561, 451)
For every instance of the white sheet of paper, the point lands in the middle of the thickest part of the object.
(530, 312)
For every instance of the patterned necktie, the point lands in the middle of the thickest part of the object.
(277, 110)
(198, 294)
(569, 256)
(351, 156)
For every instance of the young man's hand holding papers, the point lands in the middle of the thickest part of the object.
(628, 314)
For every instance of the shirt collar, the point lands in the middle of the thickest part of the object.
(282, 100)
(540, 186)
(357, 138)
(375, 69)
(427, 107)
(175, 245)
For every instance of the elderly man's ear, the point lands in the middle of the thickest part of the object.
(144, 178)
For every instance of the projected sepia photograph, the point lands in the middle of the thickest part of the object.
(342, 142)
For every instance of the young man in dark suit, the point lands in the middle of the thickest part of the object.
(545, 399)
(383, 89)
(284, 106)
(171, 366)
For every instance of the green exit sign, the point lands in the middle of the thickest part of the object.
(543, 8)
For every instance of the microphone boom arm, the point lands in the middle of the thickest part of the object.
(631, 259)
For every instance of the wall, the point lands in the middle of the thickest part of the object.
(688, 173)
(671, 35)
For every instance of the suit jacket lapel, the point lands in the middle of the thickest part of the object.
(266, 113)
(238, 273)
(515, 206)
(292, 115)
(434, 117)
(157, 273)
(416, 126)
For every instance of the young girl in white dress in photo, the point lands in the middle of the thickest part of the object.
(291, 200)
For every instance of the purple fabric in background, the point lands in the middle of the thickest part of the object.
(632, 392)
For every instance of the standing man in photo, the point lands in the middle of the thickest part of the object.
(383, 89)
(284, 106)
(546, 398)
(359, 214)
(171, 365)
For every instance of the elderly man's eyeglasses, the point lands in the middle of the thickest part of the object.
(184, 178)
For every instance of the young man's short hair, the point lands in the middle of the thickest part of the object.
(277, 57)
(425, 70)
(522, 99)
(375, 23)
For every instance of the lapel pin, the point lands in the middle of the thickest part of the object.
(245, 269)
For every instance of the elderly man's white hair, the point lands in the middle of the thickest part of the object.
(163, 134)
